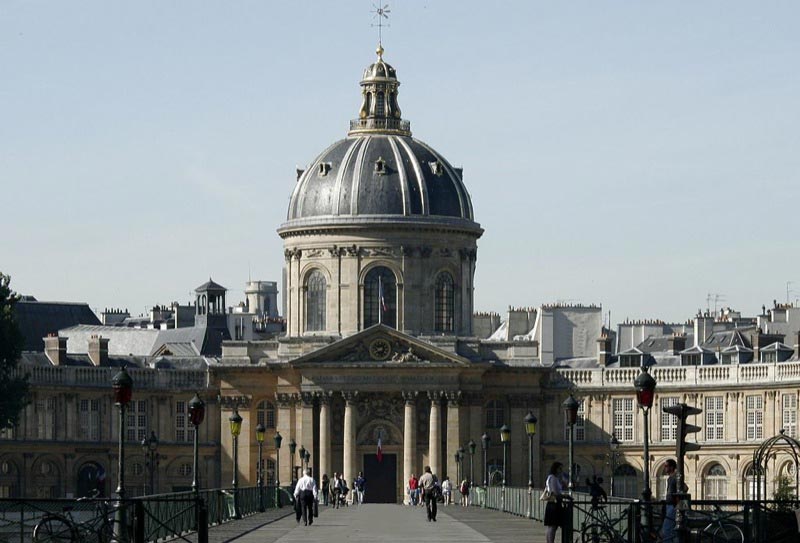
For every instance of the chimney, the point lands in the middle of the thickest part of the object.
(797, 345)
(761, 339)
(55, 348)
(677, 343)
(604, 350)
(98, 350)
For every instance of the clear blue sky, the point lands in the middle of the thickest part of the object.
(638, 155)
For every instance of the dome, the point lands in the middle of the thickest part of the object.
(379, 169)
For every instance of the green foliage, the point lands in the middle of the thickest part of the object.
(13, 388)
(784, 492)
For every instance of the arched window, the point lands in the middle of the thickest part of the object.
(315, 301)
(715, 485)
(265, 414)
(380, 297)
(380, 105)
(269, 474)
(495, 414)
(9, 479)
(444, 303)
(625, 482)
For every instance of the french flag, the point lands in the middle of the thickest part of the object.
(379, 454)
(381, 297)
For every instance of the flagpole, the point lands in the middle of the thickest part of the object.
(380, 301)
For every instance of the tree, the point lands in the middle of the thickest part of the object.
(13, 388)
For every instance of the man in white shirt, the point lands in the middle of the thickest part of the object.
(305, 493)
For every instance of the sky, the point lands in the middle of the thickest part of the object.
(636, 155)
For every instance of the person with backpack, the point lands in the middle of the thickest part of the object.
(429, 485)
(463, 489)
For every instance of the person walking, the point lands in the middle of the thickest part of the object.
(326, 488)
(428, 484)
(447, 490)
(336, 490)
(305, 491)
(553, 511)
(671, 499)
(463, 489)
(360, 484)
(413, 490)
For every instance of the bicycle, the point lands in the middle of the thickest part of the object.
(65, 527)
(597, 527)
(718, 531)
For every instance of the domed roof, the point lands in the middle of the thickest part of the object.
(379, 169)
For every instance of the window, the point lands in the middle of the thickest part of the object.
(495, 414)
(380, 104)
(580, 424)
(715, 486)
(380, 297)
(754, 406)
(626, 482)
(137, 420)
(715, 418)
(444, 303)
(269, 475)
(184, 431)
(46, 418)
(185, 469)
(691, 360)
(751, 491)
(630, 360)
(669, 422)
(315, 301)
(265, 414)
(89, 420)
(623, 414)
(790, 414)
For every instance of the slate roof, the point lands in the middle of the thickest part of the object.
(189, 341)
(210, 285)
(38, 319)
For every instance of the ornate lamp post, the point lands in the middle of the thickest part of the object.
(613, 455)
(302, 452)
(458, 467)
(123, 390)
(278, 439)
(485, 440)
(571, 406)
(530, 431)
(150, 448)
(505, 436)
(308, 458)
(292, 448)
(461, 455)
(645, 393)
(260, 431)
(472, 446)
(197, 412)
(236, 428)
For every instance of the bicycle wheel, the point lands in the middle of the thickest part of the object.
(596, 533)
(53, 529)
(727, 533)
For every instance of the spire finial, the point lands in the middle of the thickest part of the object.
(381, 13)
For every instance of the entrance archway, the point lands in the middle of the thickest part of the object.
(91, 479)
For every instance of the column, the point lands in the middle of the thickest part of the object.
(324, 434)
(434, 439)
(409, 437)
(453, 435)
(349, 437)
(305, 426)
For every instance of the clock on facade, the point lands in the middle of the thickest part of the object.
(380, 349)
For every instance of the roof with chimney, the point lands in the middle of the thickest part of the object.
(38, 319)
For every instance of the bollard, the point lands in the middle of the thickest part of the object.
(138, 521)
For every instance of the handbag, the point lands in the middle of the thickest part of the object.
(546, 496)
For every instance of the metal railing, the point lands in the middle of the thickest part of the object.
(65, 376)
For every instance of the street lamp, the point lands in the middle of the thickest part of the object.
(645, 393)
(197, 412)
(260, 431)
(458, 467)
(292, 448)
(485, 439)
(123, 390)
(278, 438)
(460, 452)
(236, 428)
(308, 458)
(530, 431)
(613, 455)
(571, 406)
(302, 452)
(149, 448)
(472, 446)
(505, 436)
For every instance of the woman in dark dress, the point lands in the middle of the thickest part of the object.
(553, 515)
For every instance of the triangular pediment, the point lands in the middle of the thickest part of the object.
(380, 345)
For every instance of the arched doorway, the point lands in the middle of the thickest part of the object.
(91, 480)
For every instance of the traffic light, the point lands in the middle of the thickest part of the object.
(682, 411)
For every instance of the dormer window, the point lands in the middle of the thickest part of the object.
(380, 166)
(436, 168)
(324, 168)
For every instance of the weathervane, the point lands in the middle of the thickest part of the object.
(381, 13)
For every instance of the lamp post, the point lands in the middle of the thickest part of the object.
(236, 428)
(260, 431)
(530, 431)
(485, 439)
(302, 452)
(505, 436)
(292, 448)
(571, 406)
(308, 458)
(150, 448)
(472, 446)
(197, 412)
(645, 393)
(458, 467)
(613, 455)
(123, 390)
(278, 438)
(461, 455)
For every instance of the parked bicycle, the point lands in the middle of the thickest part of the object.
(597, 527)
(70, 526)
(721, 529)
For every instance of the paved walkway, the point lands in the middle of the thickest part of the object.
(376, 523)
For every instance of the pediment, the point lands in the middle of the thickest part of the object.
(381, 346)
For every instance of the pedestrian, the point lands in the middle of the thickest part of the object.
(671, 499)
(360, 484)
(326, 488)
(553, 494)
(428, 483)
(447, 490)
(336, 490)
(305, 491)
(343, 490)
(463, 489)
(413, 486)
